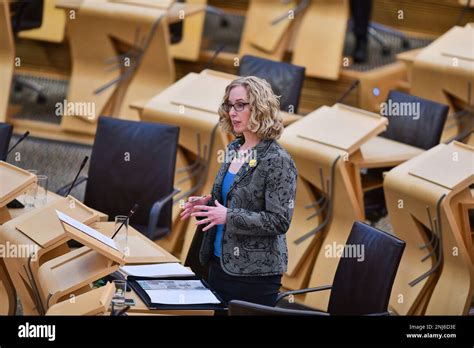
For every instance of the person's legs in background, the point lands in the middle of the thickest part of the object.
(361, 10)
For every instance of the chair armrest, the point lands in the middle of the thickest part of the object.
(63, 190)
(461, 136)
(214, 10)
(155, 211)
(302, 291)
(381, 314)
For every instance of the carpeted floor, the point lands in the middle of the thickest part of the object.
(59, 160)
(55, 91)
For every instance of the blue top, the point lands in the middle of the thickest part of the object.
(226, 184)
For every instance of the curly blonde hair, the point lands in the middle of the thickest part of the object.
(265, 119)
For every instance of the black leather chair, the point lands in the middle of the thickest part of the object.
(133, 162)
(26, 15)
(6, 131)
(359, 287)
(286, 79)
(423, 132)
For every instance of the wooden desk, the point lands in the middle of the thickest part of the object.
(443, 71)
(305, 34)
(86, 265)
(314, 37)
(259, 37)
(189, 47)
(21, 270)
(7, 288)
(425, 198)
(94, 302)
(76, 4)
(92, 262)
(175, 10)
(6, 58)
(14, 181)
(100, 33)
(194, 110)
(323, 144)
(381, 152)
(141, 249)
(408, 58)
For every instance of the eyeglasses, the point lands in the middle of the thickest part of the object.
(239, 106)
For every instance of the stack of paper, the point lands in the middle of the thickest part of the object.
(159, 270)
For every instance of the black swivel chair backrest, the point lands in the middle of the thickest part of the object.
(132, 162)
(364, 287)
(423, 132)
(286, 79)
(26, 14)
(5, 136)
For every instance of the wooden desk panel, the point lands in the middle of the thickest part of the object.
(317, 48)
(93, 64)
(460, 171)
(141, 249)
(340, 126)
(432, 295)
(13, 182)
(259, 37)
(442, 73)
(381, 152)
(7, 55)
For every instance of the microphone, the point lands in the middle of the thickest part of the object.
(349, 90)
(23, 137)
(132, 211)
(214, 56)
(77, 176)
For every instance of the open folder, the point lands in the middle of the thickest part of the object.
(176, 293)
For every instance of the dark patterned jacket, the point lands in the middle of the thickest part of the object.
(260, 205)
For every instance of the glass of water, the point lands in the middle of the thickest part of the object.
(41, 191)
(119, 296)
(30, 193)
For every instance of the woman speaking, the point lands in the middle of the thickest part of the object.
(249, 211)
